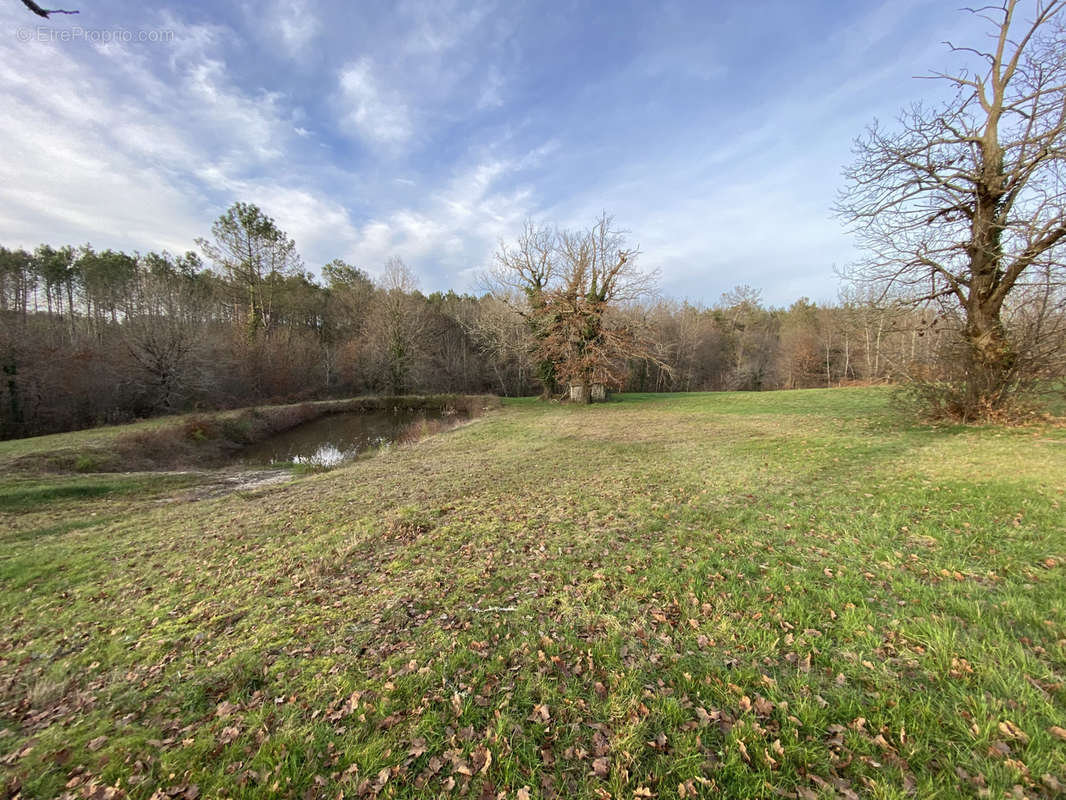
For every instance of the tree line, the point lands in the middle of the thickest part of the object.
(961, 293)
(91, 337)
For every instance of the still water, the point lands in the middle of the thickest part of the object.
(334, 438)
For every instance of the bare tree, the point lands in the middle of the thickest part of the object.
(45, 12)
(396, 322)
(963, 206)
(573, 284)
(503, 338)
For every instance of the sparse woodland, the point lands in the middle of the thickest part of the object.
(90, 337)
(961, 294)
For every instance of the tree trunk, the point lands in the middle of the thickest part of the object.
(991, 359)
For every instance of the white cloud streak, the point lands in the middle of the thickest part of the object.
(376, 116)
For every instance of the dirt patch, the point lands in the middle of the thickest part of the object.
(220, 485)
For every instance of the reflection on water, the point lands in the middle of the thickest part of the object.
(334, 438)
(325, 456)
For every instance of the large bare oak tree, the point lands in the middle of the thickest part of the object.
(964, 204)
(571, 287)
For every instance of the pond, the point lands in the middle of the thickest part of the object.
(329, 440)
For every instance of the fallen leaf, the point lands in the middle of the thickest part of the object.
(706, 717)
(229, 733)
(540, 713)
(224, 709)
(481, 758)
(1012, 731)
(418, 747)
(763, 707)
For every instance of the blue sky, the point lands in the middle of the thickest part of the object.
(714, 132)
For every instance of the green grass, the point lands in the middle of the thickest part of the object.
(780, 594)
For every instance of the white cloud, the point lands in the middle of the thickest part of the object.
(492, 90)
(370, 113)
(441, 26)
(125, 146)
(451, 235)
(141, 147)
(296, 23)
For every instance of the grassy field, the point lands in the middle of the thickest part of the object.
(758, 595)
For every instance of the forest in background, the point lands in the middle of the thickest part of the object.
(93, 337)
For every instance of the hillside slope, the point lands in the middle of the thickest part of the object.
(780, 594)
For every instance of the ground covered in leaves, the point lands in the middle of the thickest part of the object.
(761, 595)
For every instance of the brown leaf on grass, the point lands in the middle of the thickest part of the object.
(382, 779)
(1017, 766)
(743, 748)
(418, 747)
(998, 749)
(1012, 731)
(541, 713)
(1057, 732)
(481, 758)
(600, 689)
(601, 745)
(1053, 783)
(459, 765)
(763, 707)
(706, 717)
(224, 709)
(97, 743)
(229, 733)
(601, 767)
(523, 793)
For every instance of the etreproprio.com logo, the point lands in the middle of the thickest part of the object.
(94, 35)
